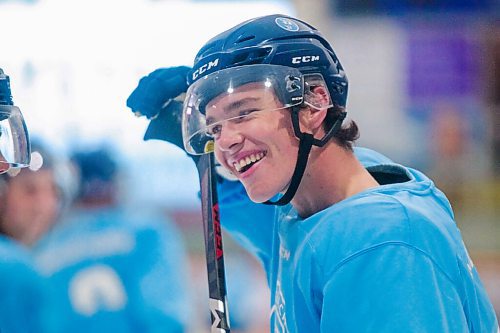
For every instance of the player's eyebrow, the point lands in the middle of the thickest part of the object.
(234, 106)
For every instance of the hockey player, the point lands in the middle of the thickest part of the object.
(115, 270)
(14, 140)
(356, 243)
(32, 198)
(25, 306)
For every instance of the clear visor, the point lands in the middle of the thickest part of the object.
(14, 141)
(233, 94)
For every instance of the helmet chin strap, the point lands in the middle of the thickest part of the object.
(306, 141)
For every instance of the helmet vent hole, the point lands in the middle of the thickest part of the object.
(240, 58)
(244, 38)
(251, 58)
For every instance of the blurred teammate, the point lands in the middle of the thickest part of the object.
(356, 243)
(31, 198)
(25, 305)
(116, 270)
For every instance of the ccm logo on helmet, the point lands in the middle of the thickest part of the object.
(205, 67)
(299, 60)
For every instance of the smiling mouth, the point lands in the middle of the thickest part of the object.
(246, 163)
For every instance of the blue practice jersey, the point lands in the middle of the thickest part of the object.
(25, 304)
(388, 259)
(117, 274)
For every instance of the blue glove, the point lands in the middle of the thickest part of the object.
(167, 125)
(157, 88)
(154, 98)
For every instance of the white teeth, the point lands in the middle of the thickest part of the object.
(247, 160)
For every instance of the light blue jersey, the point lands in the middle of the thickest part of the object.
(388, 259)
(255, 231)
(117, 274)
(25, 306)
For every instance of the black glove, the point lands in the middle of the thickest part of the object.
(154, 98)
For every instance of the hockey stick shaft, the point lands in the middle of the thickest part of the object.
(213, 245)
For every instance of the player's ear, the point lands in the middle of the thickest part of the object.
(316, 103)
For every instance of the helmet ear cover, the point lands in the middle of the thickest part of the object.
(314, 97)
(316, 100)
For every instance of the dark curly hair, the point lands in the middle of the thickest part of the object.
(348, 133)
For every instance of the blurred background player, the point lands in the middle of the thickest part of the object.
(116, 270)
(25, 304)
(32, 198)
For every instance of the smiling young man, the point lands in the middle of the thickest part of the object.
(254, 140)
(356, 243)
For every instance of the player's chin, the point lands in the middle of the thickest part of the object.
(258, 195)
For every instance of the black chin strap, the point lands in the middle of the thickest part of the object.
(305, 145)
(306, 141)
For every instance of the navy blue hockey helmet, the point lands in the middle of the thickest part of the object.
(274, 54)
(278, 40)
(98, 172)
